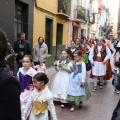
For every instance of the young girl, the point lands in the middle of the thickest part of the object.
(85, 48)
(41, 67)
(78, 90)
(40, 99)
(24, 76)
(71, 50)
(60, 83)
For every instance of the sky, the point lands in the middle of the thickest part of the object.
(113, 5)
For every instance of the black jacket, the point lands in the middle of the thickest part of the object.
(9, 97)
(116, 112)
(27, 49)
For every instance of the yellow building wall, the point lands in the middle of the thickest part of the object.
(39, 21)
(50, 5)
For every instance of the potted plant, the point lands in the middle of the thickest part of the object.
(63, 5)
(79, 12)
(66, 3)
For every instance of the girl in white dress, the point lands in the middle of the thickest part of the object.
(40, 99)
(61, 80)
(78, 90)
(24, 76)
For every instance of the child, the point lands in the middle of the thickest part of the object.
(41, 66)
(78, 90)
(85, 48)
(24, 76)
(40, 99)
(71, 50)
(60, 83)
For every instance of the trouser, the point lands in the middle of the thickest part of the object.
(19, 65)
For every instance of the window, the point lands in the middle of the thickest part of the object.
(18, 19)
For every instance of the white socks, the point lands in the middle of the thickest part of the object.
(95, 81)
(101, 80)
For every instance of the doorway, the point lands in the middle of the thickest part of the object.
(59, 38)
(49, 34)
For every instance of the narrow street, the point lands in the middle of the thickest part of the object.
(99, 107)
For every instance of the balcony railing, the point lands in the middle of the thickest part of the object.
(92, 19)
(64, 6)
(79, 13)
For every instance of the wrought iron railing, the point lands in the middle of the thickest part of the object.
(79, 13)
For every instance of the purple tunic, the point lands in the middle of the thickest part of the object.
(25, 81)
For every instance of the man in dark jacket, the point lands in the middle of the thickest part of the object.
(21, 47)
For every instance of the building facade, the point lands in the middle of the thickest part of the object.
(51, 21)
(16, 16)
(118, 28)
(80, 25)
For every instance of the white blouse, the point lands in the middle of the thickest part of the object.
(44, 95)
(99, 49)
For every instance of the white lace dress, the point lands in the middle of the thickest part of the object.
(44, 95)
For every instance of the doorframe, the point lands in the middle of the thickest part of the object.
(51, 33)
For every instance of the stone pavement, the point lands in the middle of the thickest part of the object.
(99, 107)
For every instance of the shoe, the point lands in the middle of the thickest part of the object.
(94, 88)
(117, 91)
(80, 104)
(72, 109)
(101, 85)
(62, 106)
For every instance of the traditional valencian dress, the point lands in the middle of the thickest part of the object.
(70, 51)
(75, 91)
(40, 102)
(60, 82)
(26, 84)
(85, 49)
(97, 55)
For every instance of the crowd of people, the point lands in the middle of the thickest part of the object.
(29, 90)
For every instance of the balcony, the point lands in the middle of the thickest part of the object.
(92, 19)
(64, 8)
(79, 13)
